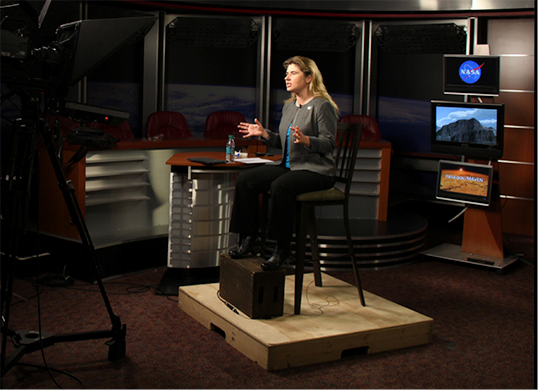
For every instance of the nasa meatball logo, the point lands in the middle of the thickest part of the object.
(470, 72)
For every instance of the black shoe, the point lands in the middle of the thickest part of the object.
(249, 245)
(281, 255)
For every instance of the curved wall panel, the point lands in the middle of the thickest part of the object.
(369, 5)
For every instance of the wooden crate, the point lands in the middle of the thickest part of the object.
(317, 334)
(246, 286)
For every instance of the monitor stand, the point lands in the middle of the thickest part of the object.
(482, 242)
(455, 253)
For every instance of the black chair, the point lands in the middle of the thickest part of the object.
(345, 158)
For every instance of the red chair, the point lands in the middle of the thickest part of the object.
(172, 125)
(121, 131)
(220, 124)
(370, 128)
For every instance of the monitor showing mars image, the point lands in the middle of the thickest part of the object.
(464, 181)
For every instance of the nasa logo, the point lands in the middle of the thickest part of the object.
(470, 72)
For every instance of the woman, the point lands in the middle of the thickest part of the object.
(306, 136)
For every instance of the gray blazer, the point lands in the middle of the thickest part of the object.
(317, 119)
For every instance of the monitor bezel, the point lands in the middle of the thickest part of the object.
(462, 197)
(466, 149)
(471, 89)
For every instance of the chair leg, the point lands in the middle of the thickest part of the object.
(352, 255)
(314, 247)
(263, 222)
(301, 222)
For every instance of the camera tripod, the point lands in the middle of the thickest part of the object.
(16, 190)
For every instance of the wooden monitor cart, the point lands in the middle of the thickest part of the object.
(482, 242)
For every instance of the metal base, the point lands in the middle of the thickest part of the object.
(454, 252)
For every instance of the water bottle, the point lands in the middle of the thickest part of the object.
(230, 149)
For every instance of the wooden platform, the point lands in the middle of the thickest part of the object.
(316, 335)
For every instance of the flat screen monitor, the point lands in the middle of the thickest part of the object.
(471, 75)
(475, 130)
(464, 182)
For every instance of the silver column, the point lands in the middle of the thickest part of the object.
(200, 210)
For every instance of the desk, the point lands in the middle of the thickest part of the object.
(124, 193)
(201, 199)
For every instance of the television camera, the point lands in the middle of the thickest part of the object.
(79, 47)
(41, 75)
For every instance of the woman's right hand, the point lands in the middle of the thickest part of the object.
(253, 129)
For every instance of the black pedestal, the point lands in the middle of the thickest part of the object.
(173, 278)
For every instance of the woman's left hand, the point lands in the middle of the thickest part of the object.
(300, 138)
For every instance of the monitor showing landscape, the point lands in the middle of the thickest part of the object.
(470, 129)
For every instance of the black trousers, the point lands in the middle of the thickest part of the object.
(285, 185)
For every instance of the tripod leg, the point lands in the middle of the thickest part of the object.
(78, 220)
(14, 216)
(7, 294)
(15, 201)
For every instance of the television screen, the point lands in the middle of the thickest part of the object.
(464, 182)
(474, 130)
(471, 75)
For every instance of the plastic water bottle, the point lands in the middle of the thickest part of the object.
(230, 149)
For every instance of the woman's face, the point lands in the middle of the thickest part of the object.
(295, 79)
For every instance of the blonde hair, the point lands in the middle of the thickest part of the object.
(316, 87)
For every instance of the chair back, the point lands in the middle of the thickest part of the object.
(121, 131)
(220, 124)
(171, 124)
(346, 153)
(370, 127)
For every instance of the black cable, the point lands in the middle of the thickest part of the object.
(69, 283)
(53, 369)
(318, 306)
(25, 299)
(504, 204)
(164, 293)
(141, 288)
(228, 304)
(41, 347)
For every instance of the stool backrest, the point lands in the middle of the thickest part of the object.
(346, 152)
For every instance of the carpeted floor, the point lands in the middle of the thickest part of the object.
(484, 334)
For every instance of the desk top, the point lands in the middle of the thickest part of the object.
(191, 142)
(144, 143)
(182, 159)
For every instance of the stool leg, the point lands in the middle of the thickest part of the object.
(263, 222)
(314, 247)
(300, 255)
(352, 255)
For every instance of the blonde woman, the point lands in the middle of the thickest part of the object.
(306, 136)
